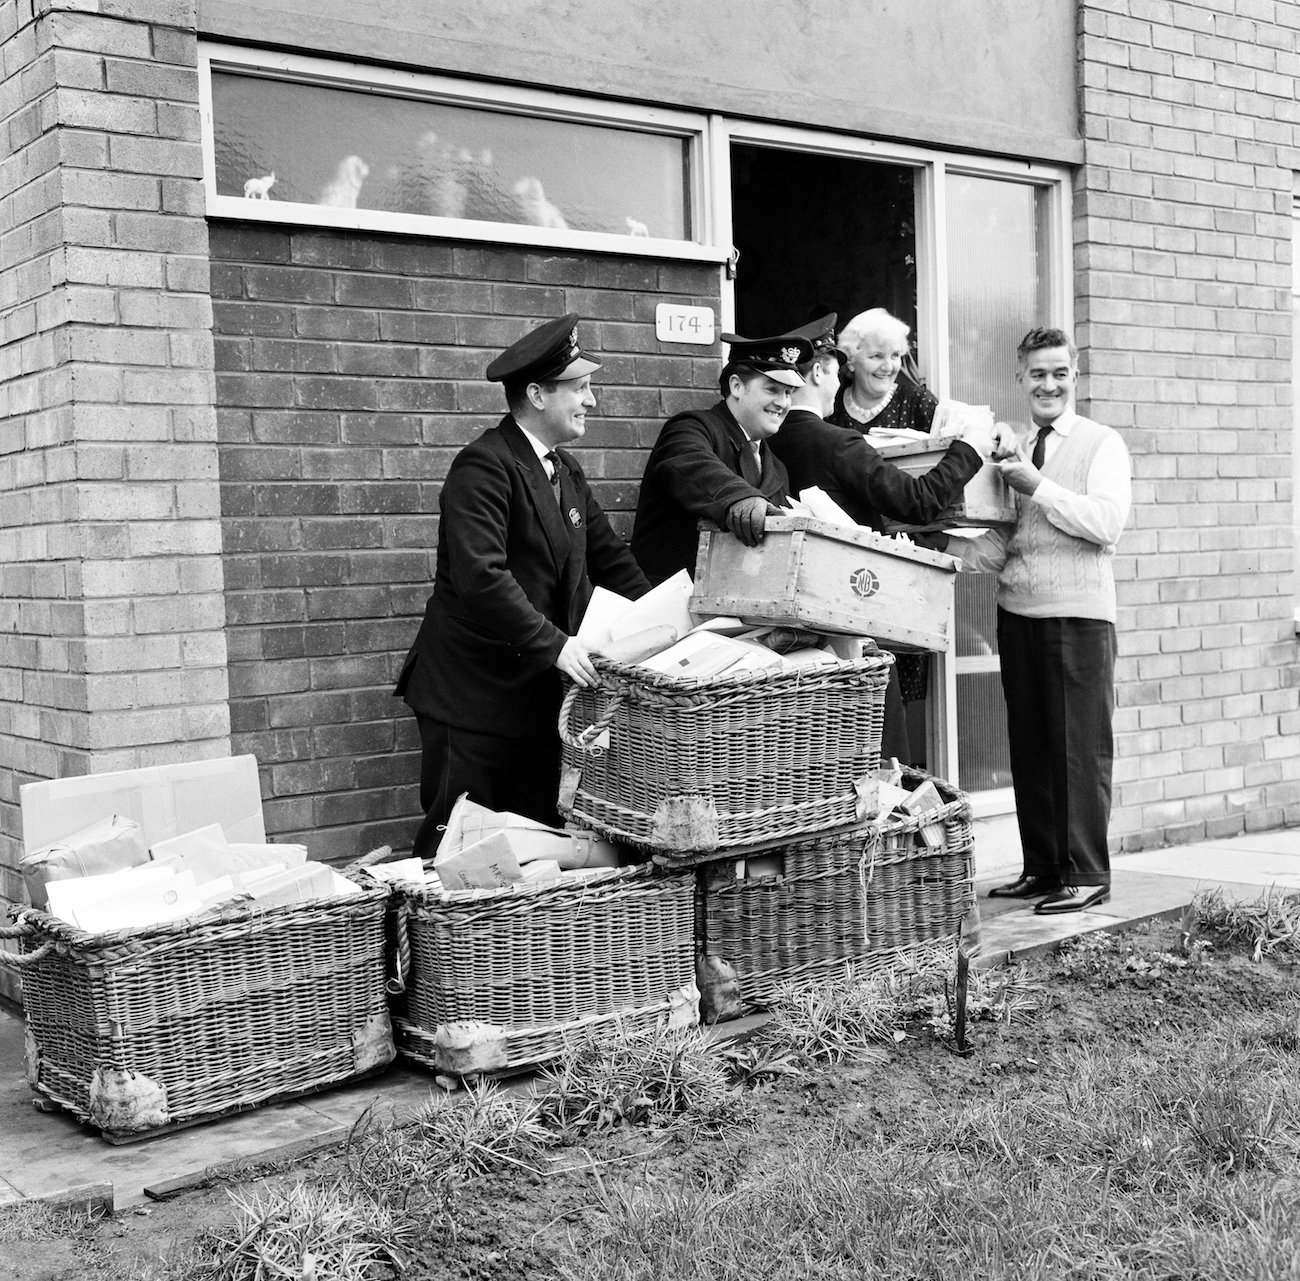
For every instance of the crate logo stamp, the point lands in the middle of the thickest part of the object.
(864, 582)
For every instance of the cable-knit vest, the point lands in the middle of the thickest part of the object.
(1051, 574)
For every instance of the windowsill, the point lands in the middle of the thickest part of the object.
(500, 233)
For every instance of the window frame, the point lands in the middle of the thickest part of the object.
(692, 127)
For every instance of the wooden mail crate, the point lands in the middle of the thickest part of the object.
(835, 578)
(986, 500)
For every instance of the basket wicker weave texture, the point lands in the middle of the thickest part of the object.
(541, 961)
(209, 1016)
(874, 896)
(762, 756)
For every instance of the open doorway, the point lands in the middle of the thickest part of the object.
(817, 234)
(823, 233)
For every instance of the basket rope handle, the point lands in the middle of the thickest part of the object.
(19, 960)
(585, 740)
(867, 872)
(22, 930)
(401, 958)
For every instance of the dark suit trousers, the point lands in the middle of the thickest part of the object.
(1058, 678)
(521, 775)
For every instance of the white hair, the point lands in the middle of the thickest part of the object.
(873, 323)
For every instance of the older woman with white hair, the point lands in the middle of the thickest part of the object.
(875, 345)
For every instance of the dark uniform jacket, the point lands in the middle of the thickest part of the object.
(694, 473)
(515, 572)
(840, 461)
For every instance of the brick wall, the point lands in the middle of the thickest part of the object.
(349, 373)
(1183, 272)
(112, 652)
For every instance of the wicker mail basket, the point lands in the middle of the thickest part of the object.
(673, 765)
(142, 1031)
(496, 979)
(876, 896)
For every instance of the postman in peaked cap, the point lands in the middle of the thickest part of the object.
(778, 357)
(549, 352)
(821, 333)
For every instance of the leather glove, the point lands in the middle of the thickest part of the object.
(747, 519)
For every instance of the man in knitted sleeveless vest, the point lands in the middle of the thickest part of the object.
(1056, 630)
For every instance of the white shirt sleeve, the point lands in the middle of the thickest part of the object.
(1101, 512)
(985, 554)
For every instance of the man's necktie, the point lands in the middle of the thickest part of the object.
(1040, 446)
(751, 466)
(554, 459)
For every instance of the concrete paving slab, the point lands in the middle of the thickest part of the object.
(1011, 929)
(1210, 863)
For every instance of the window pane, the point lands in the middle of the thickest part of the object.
(367, 150)
(996, 241)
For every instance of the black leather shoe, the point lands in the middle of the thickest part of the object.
(1026, 887)
(1073, 898)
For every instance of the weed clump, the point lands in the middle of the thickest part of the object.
(647, 1076)
(1269, 924)
(308, 1231)
(839, 1021)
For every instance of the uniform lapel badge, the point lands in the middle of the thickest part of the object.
(575, 518)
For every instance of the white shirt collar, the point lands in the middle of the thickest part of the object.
(1065, 423)
(539, 449)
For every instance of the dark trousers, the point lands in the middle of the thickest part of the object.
(894, 737)
(521, 775)
(1058, 678)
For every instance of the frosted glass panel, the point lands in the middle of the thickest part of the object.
(365, 150)
(997, 290)
(981, 733)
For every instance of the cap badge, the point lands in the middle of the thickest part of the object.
(575, 518)
(790, 355)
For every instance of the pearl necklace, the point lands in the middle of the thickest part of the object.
(860, 413)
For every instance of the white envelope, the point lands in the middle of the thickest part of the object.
(602, 609)
(824, 507)
(665, 605)
(133, 899)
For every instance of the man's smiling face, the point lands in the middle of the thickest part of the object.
(1047, 377)
(760, 405)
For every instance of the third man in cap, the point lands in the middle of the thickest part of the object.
(715, 464)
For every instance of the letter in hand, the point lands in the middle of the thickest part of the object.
(747, 519)
(978, 432)
(575, 662)
(1005, 443)
(1020, 473)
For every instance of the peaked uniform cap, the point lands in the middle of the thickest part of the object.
(821, 333)
(548, 353)
(779, 357)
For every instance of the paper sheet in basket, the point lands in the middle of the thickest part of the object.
(610, 617)
(524, 838)
(824, 507)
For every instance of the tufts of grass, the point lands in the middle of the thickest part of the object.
(648, 1076)
(36, 1221)
(847, 1020)
(308, 1233)
(1270, 924)
(451, 1142)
